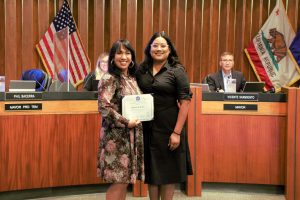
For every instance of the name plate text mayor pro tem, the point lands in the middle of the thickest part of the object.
(23, 106)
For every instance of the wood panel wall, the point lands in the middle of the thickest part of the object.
(200, 29)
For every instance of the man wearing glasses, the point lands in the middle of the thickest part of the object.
(221, 80)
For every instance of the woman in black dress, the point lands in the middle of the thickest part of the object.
(167, 159)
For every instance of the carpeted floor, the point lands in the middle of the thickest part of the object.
(207, 195)
(97, 192)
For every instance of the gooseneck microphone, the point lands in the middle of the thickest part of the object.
(33, 76)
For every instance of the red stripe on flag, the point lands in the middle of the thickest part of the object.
(86, 65)
(49, 53)
(49, 50)
(259, 66)
(45, 60)
(75, 64)
(72, 75)
(76, 46)
(50, 32)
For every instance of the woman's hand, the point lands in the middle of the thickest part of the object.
(174, 141)
(133, 123)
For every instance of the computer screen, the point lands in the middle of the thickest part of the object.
(22, 86)
(254, 87)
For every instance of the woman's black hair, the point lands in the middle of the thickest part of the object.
(112, 68)
(172, 58)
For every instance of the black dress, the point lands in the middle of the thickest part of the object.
(163, 166)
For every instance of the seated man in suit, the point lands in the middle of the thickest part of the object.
(219, 80)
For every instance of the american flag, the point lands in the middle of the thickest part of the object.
(79, 63)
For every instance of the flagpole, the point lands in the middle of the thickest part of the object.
(68, 60)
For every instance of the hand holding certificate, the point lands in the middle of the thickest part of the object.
(139, 107)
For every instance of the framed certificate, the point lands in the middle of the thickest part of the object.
(139, 107)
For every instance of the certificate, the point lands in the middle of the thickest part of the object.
(139, 107)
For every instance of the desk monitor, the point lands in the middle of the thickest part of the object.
(22, 86)
(254, 87)
(205, 87)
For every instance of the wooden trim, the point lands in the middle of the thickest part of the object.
(11, 42)
(292, 144)
(43, 23)
(83, 26)
(190, 184)
(297, 154)
(27, 36)
(99, 10)
(115, 17)
(131, 27)
(140, 189)
(147, 21)
(194, 182)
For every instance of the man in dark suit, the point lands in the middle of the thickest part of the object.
(219, 80)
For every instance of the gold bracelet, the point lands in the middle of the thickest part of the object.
(176, 133)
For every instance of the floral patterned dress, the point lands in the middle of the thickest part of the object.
(121, 151)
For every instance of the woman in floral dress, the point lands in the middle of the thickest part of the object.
(120, 156)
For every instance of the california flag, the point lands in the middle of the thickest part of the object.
(269, 53)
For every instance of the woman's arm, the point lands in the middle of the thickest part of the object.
(184, 95)
(107, 90)
(182, 115)
(181, 118)
(106, 105)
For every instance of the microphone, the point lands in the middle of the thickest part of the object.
(228, 78)
(44, 89)
(271, 90)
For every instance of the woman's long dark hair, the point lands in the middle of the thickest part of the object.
(112, 68)
(172, 58)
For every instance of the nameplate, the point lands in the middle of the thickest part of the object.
(23, 96)
(240, 106)
(240, 97)
(23, 106)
